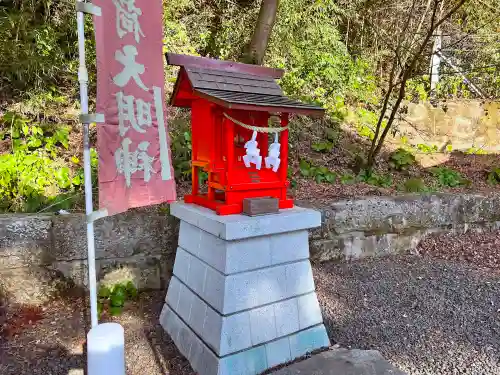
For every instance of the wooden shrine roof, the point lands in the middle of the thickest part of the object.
(233, 85)
(232, 81)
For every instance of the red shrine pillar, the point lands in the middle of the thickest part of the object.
(229, 131)
(284, 149)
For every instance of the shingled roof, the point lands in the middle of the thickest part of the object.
(233, 85)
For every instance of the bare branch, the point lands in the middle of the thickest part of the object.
(405, 75)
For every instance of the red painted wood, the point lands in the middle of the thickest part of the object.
(284, 149)
(218, 145)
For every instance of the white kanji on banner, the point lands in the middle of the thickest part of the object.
(134, 111)
(131, 68)
(129, 162)
(127, 19)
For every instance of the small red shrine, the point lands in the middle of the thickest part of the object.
(233, 108)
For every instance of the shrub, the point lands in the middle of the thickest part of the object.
(415, 185)
(347, 179)
(375, 179)
(448, 177)
(476, 151)
(34, 174)
(113, 298)
(494, 176)
(320, 174)
(181, 149)
(323, 146)
(401, 160)
(305, 168)
(332, 136)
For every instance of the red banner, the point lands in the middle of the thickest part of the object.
(135, 165)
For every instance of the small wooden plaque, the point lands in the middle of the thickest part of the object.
(260, 206)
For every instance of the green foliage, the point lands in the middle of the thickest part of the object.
(494, 176)
(319, 174)
(448, 177)
(427, 149)
(415, 185)
(38, 68)
(476, 151)
(113, 298)
(181, 149)
(417, 89)
(372, 178)
(452, 85)
(324, 175)
(324, 64)
(104, 291)
(401, 160)
(324, 146)
(118, 296)
(366, 122)
(365, 132)
(305, 168)
(347, 179)
(115, 310)
(131, 290)
(332, 136)
(317, 63)
(33, 175)
(38, 44)
(293, 182)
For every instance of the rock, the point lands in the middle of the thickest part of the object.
(343, 362)
(463, 123)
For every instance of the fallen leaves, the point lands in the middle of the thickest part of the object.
(22, 318)
(479, 249)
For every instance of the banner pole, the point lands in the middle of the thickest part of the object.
(83, 79)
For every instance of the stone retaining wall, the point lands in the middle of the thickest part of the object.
(378, 226)
(463, 124)
(39, 253)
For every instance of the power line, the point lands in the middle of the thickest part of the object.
(468, 35)
(491, 7)
(479, 68)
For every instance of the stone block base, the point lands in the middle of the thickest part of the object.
(242, 298)
(254, 360)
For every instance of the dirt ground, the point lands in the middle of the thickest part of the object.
(433, 313)
(55, 344)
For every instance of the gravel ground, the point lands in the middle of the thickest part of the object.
(426, 315)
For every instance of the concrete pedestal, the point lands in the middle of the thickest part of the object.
(242, 297)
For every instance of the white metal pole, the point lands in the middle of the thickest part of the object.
(84, 100)
(462, 74)
(106, 350)
(436, 62)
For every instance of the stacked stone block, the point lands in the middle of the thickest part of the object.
(242, 297)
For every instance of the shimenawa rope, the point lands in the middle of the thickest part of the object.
(256, 128)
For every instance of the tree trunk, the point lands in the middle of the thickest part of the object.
(405, 75)
(256, 49)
